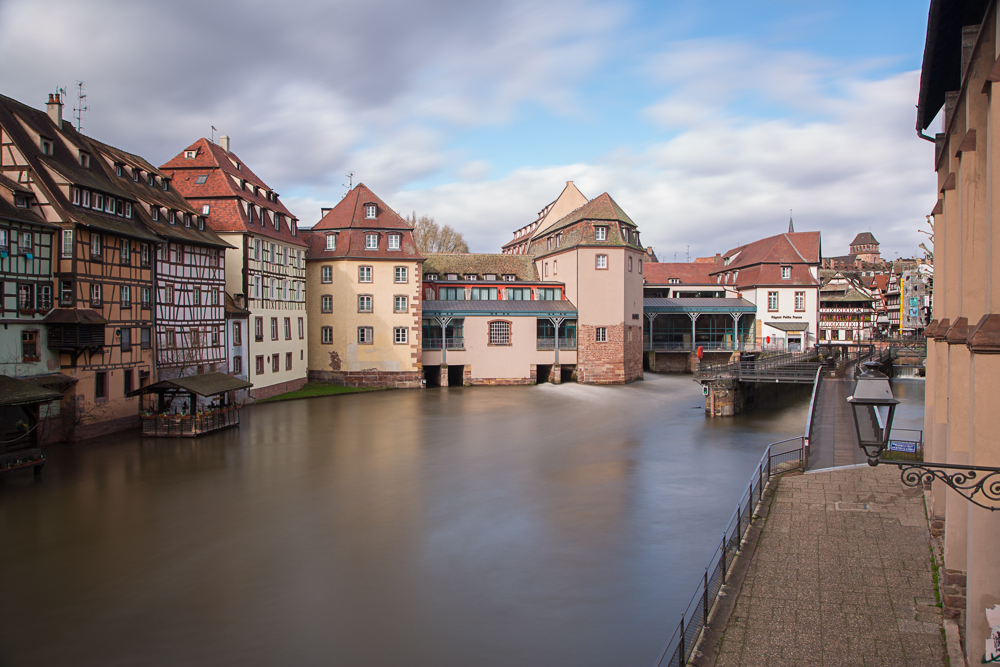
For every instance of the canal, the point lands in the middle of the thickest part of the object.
(548, 525)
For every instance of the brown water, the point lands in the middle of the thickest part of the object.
(550, 525)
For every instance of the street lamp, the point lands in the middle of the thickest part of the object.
(873, 408)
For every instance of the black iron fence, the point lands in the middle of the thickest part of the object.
(779, 457)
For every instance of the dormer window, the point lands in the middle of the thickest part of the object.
(331, 241)
(509, 277)
(471, 277)
(154, 213)
(725, 262)
(98, 201)
(393, 241)
(187, 219)
(371, 241)
(85, 159)
(20, 201)
(75, 194)
(118, 168)
(558, 240)
(128, 210)
(295, 228)
(205, 209)
(452, 276)
(243, 184)
(136, 174)
(600, 233)
(786, 272)
(190, 155)
(166, 184)
(490, 276)
(674, 281)
(256, 190)
(201, 223)
(173, 217)
(46, 147)
(370, 211)
(431, 276)
(151, 179)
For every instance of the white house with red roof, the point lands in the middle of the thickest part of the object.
(266, 263)
(780, 275)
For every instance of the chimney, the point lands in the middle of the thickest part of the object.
(718, 256)
(224, 142)
(54, 108)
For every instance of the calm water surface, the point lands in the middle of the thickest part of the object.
(549, 525)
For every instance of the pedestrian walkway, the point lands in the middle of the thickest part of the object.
(833, 442)
(841, 575)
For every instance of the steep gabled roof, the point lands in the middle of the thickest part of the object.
(760, 262)
(521, 266)
(601, 210)
(691, 273)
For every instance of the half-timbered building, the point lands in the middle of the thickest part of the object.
(265, 263)
(190, 269)
(101, 325)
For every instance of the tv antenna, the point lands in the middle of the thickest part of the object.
(81, 106)
(688, 260)
(350, 182)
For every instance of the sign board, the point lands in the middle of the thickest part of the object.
(902, 446)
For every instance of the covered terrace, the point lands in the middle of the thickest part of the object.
(684, 325)
(190, 406)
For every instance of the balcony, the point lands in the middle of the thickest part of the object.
(549, 343)
(452, 343)
(724, 346)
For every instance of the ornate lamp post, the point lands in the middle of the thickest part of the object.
(873, 408)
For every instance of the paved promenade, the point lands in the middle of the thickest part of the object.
(840, 575)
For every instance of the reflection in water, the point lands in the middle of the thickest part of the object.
(550, 525)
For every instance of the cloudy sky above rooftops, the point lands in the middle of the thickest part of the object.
(705, 120)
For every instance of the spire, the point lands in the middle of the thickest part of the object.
(791, 227)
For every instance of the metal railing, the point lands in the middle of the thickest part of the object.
(695, 617)
(788, 366)
(807, 436)
(457, 343)
(905, 444)
(190, 426)
(550, 343)
(730, 346)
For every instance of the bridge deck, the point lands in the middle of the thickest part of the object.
(833, 442)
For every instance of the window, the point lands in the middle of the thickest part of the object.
(393, 241)
(238, 364)
(302, 328)
(431, 276)
(256, 249)
(260, 364)
(484, 294)
(451, 293)
(144, 254)
(772, 301)
(196, 296)
(126, 339)
(25, 297)
(101, 385)
(326, 303)
(364, 303)
(452, 276)
(29, 346)
(601, 334)
(370, 211)
(166, 184)
(187, 219)
(171, 338)
(499, 332)
(518, 294)
(548, 243)
(44, 297)
(399, 304)
(490, 276)
(66, 293)
(275, 363)
(471, 276)
(258, 287)
(201, 180)
(555, 267)
(630, 263)
(364, 274)
(399, 335)
(109, 205)
(86, 198)
(258, 329)
(288, 361)
(128, 210)
(509, 277)
(154, 213)
(401, 274)
(800, 301)
(786, 272)
(20, 201)
(274, 328)
(125, 252)
(237, 334)
(640, 269)
(168, 294)
(331, 241)
(371, 241)
(602, 261)
(326, 335)
(126, 300)
(365, 335)
(27, 243)
(600, 233)
(288, 328)
(151, 179)
(67, 242)
(267, 251)
(95, 295)
(96, 249)
(206, 209)
(172, 217)
(545, 273)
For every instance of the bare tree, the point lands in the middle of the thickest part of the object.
(430, 237)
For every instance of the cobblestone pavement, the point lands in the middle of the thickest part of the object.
(846, 584)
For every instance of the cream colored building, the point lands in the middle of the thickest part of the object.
(961, 421)
(363, 275)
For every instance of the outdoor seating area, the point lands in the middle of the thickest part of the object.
(190, 406)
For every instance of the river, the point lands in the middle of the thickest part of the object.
(548, 525)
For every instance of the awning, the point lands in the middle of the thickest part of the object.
(74, 316)
(789, 326)
(19, 392)
(206, 384)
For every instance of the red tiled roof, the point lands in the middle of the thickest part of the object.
(694, 273)
(759, 263)
(222, 191)
(347, 219)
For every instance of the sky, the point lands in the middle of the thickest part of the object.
(708, 121)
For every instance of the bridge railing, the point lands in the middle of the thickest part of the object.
(758, 367)
(779, 457)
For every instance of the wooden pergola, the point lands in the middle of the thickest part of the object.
(19, 417)
(189, 419)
